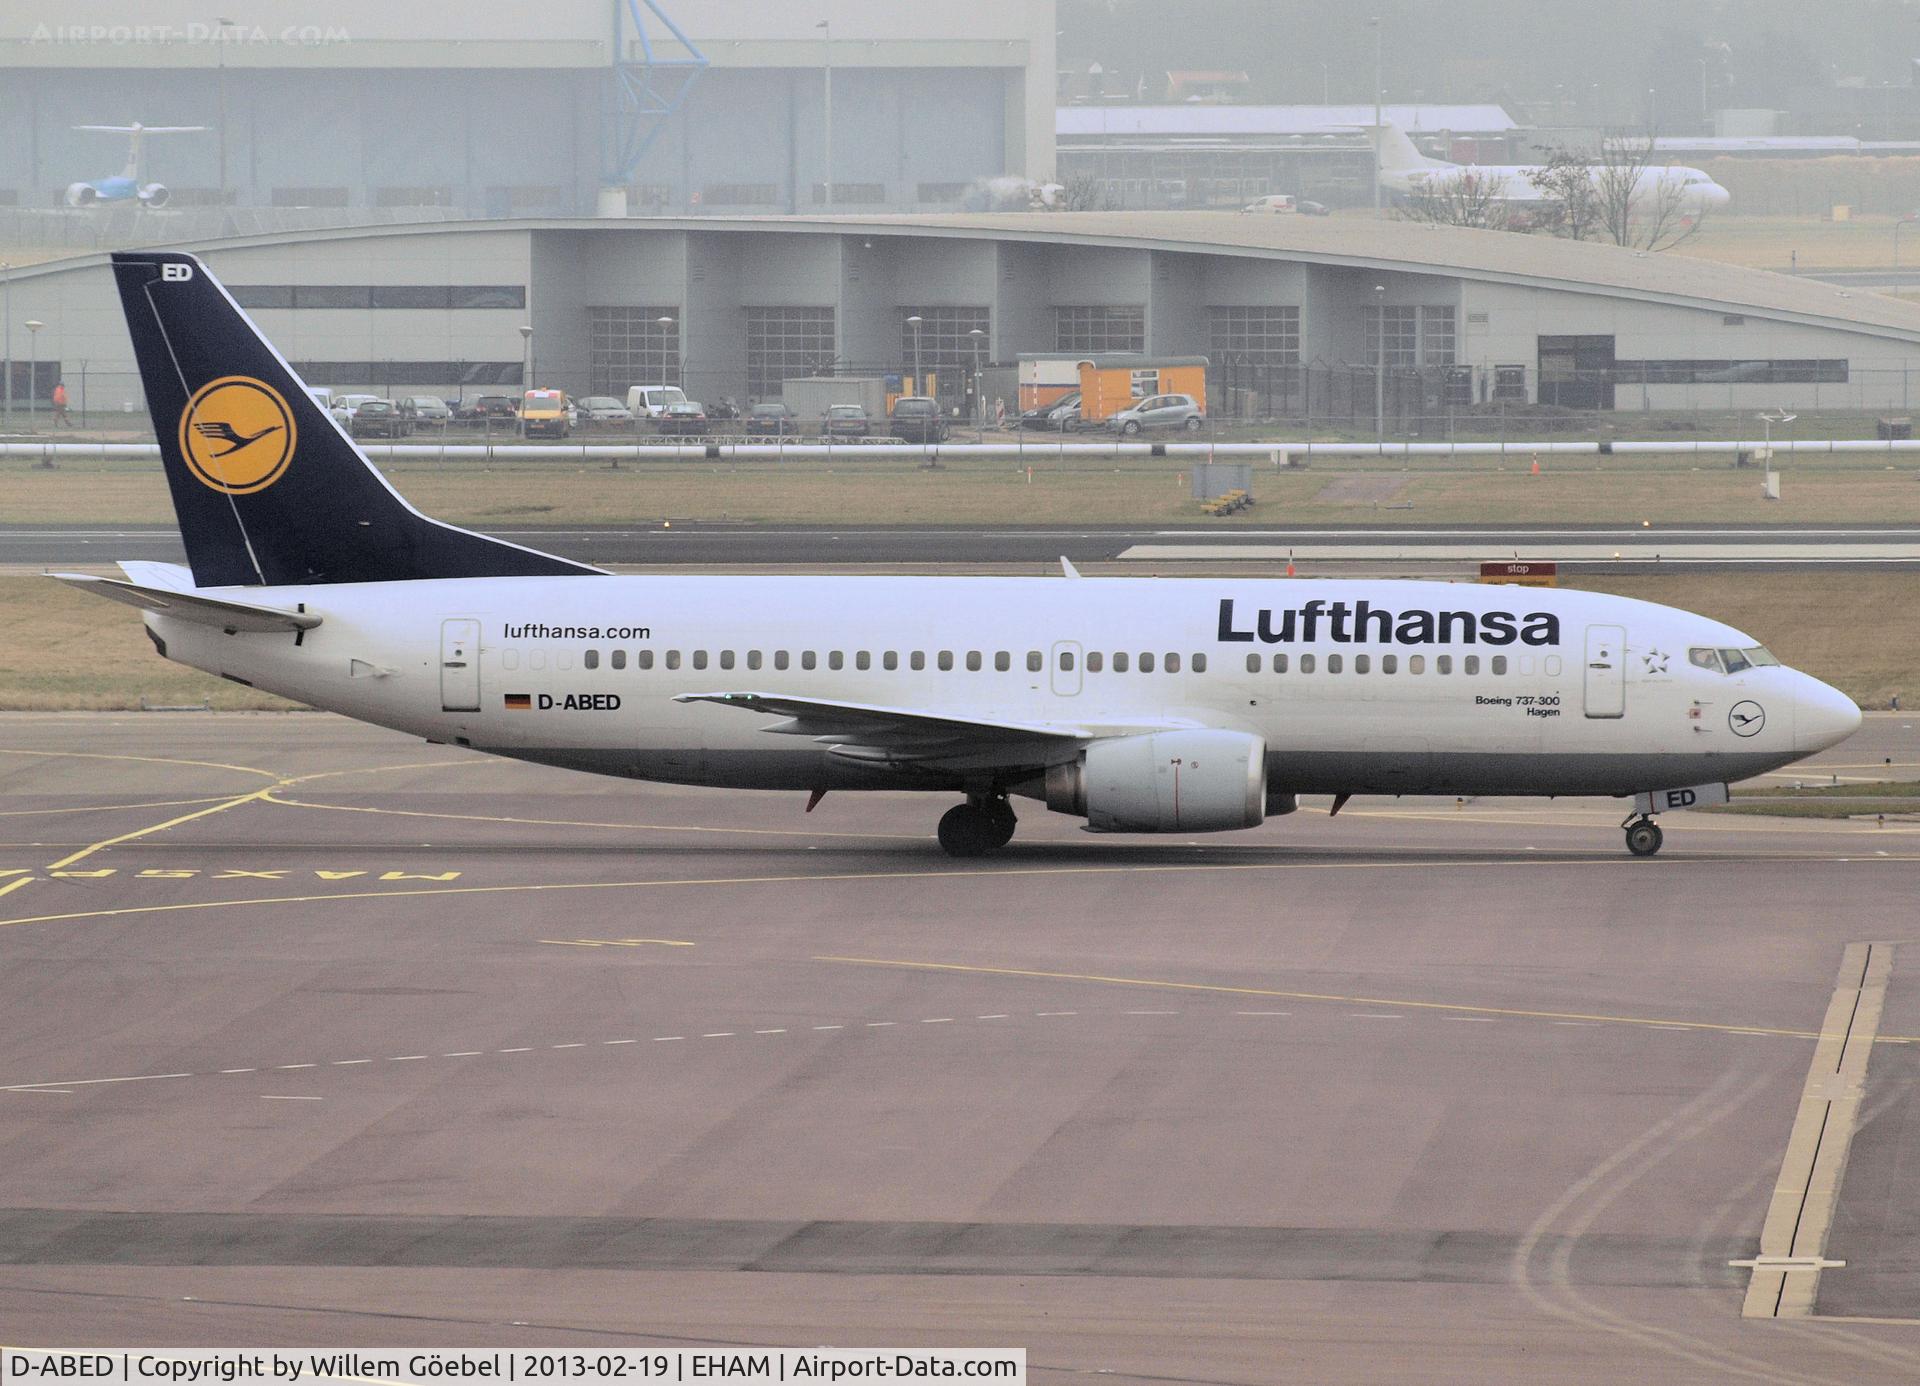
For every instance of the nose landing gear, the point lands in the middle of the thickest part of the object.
(1643, 836)
(978, 826)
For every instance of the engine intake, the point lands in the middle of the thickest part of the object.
(1165, 782)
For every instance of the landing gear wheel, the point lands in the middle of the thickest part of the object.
(1644, 837)
(1000, 814)
(966, 831)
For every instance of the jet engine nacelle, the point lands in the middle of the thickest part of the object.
(153, 194)
(1166, 782)
(82, 194)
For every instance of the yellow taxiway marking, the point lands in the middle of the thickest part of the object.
(618, 942)
(108, 808)
(15, 884)
(953, 873)
(100, 846)
(1165, 984)
(145, 760)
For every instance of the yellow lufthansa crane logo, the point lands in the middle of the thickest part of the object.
(237, 434)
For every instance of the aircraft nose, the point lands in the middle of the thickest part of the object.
(1823, 716)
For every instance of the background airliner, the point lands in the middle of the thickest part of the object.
(1404, 169)
(1139, 705)
(126, 186)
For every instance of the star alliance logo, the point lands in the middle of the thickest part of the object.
(1656, 661)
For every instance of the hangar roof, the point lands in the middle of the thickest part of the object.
(1201, 119)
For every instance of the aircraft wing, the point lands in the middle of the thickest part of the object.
(189, 606)
(871, 732)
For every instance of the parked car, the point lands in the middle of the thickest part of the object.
(544, 414)
(846, 421)
(1160, 411)
(377, 418)
(604, 409)
(917, 419)
(345, 406)
(650, 401)
(682, 417)
(1312, 209)
(773, 419)
(1059, 417)
(482, 408)
(425, 409)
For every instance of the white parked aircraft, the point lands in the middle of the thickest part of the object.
(126, 185)
(1139, 705)
(1404, 169)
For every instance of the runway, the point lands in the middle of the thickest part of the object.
(318, 1035)
(1598, 548)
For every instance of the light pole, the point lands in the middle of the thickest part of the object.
(666, 323)
(1326, 86)
(826, 42)
(6, 294)
(526, 356)
(1706, 111)
(220, 27)
(914, 323)
(979, 337)
(1377, 131)
(33, 370)
(1380, 368)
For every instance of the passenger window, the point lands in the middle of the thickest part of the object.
(673, 659)
(726, 659)
(1416, 664)
(863, 660)
(1253, 663)
(1306, 664)
(1389, 664)
(1362, 663)
(1704, 659)
(1553, 666)
(890, 660)
(1199, 664)
(1146, 661)
(590, 660)
(753, 659)
(1470, 664)
(536, 659)
(808, 659)
(1526, 664)
(563, 659)
(946, 660)
(619, 659)
(1034, 661)
(1443, 664)
(643, 659)
(1499, 664)
(1279, 664)
(1002, 661)
(1095, 660)
(1119, 661)
(780, 659)
(917, 660)
(699, 659)
(509, 659)
(1066, 661)
(1172, 663)
(973, 661)
(836, 659)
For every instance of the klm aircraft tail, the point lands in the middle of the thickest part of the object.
(268, 489)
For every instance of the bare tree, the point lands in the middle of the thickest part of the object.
(1639, 203)
(1468, 198)
(1085, 193)
(1569, 202)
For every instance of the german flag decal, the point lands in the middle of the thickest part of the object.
(519, 702)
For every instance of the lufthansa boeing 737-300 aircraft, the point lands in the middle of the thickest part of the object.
(1140, 705)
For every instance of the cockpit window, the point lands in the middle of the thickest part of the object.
(1731, 661)
(1735, 661)
(1761, 657)
(1704, 658)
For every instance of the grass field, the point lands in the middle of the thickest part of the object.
(61, 649)
(1864, 242)
(1141, 491)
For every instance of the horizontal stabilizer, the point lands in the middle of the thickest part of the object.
(189, 606)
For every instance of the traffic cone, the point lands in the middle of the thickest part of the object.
(1289, 562)
(1536, 464)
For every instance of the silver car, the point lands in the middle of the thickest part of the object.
(1160, 411)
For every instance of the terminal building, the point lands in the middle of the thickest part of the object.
(1294, 314)
(433, 107)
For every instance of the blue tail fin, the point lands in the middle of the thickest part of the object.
(268, 490)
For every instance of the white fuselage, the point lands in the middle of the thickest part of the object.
(1692, 190)
(1611, 705)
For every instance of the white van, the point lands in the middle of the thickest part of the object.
(651, 401)
(1280, 203)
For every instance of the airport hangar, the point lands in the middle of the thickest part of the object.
(734, 306)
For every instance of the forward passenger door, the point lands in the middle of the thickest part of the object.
(1606, 673)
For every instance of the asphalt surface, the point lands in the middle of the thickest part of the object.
(316, 1035)
(681, 545)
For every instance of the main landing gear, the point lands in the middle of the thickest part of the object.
(1643, 836)
(978, 826)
